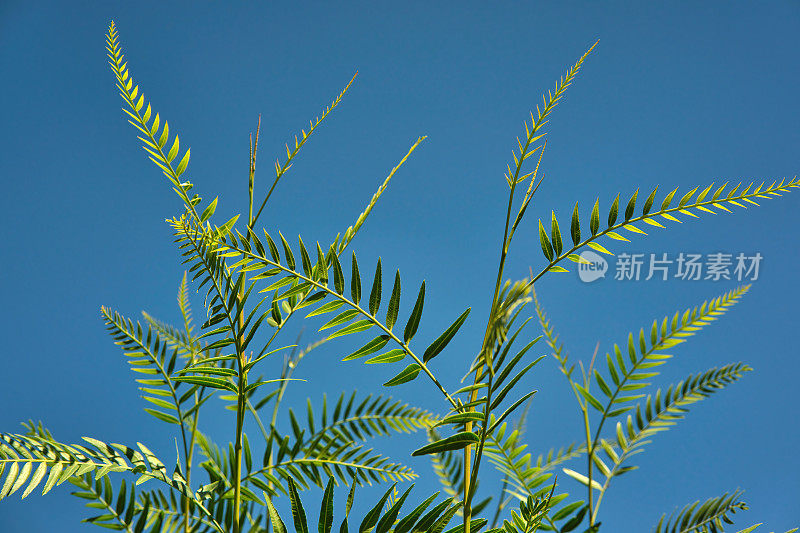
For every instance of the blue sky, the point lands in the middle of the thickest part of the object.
(673, 95)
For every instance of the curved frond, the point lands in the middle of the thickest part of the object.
(309, 465)
(709, 517)
(151, 356)
(154, 135)
(660, 412)
(552, 339)
(643, 360)
(184, 340)
(689, 205)
(350, 234)
(304, 283)
(31, 458)
(532, 133)
(357, 421)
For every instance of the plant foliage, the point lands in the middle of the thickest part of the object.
(254, 282)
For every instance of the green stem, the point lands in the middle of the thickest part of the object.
(478, 374)
(242, 398)
(589, 454)
(237, 456)
(479, 452)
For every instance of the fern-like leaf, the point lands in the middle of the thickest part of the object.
(689, 205)
(59, 462)
(707, 517)
(297, 288)
(154, 135)
(630, 372)
(659, 412)
(150, 355)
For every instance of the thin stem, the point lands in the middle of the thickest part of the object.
(237, 455)
(242, 358)
(479, 451)
(478, 374)
(242, 397)
(280, 170)
(251, 181)
(590, 450)
(190, 455)
(189, 461)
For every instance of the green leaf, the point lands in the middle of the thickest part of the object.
(409, 373)
(631, 206)
(356, 327)
(208, 211)
(174, 150)
(371, 518)
(612, 214)
(298, 513)
(582, 479)
(575, 521)
(444, 339)
(183, 164)
(668, 199)
(394, 303)
(326, 508)
(326, 308)
(355, 282)
(36, 479)
(287, 251)
(164, 135)
(462, 418)
(375, 293)
(575, 227)
(277, 524)
(341, 318)
(594, 402)
(371, 347)
(648, 204)
(226, 228)
(348, 505)
(459, 441)
(305, 258)
(598, 247)
(338, 275)
(594, 222)
(204, 381)
(392, 356)
(416, 314)
(602, 384)
(547, 248)
(555, 232)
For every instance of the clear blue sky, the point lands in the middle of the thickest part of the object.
(674, 95)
